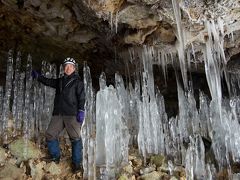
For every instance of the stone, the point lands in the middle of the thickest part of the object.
(24, 150)
(12, 172)
(123, 177)
(36, 169)
(137, 17)
(3, 155)
(163, 168)
(137, 162)
(112, 5)
(179, 171)
(158, 160)
(83, 36)
(173, 178)
(53, 168)
(163, 34)
(152, 176)
(139, 37)
(150, 2)
(128, 169)
(147, 170)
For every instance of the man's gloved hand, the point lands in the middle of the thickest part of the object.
(35, 74)
(80, 116)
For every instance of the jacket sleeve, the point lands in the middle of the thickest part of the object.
(48, 81)
(80, 95)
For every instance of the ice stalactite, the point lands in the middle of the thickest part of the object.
(181, 43)
(7, 96)
(214, 58)
(88, 131)
(163, 62)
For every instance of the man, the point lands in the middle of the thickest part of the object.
(68, 103)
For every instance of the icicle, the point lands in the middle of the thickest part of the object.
(116, 22)
(232, 37)
(111, 20)
(181, 39)
(162, 60)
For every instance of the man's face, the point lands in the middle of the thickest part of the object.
(69, 69)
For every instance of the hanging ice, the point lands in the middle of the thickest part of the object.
(181, 41)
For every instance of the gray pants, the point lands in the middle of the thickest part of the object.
(58, 123)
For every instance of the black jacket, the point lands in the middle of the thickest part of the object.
(69, 97)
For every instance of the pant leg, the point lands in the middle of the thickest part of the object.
(54, 129)
(73, 129)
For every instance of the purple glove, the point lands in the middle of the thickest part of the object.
(80, 116)
(35, 74)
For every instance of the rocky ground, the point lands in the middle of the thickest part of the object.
(18, 162)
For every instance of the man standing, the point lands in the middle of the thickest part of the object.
(68, 103)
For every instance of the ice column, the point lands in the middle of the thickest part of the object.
(20, 103)
(37, 106)
(195, 159)
(7, 96)
(133, 115)
(16, 90)
(27, 115)
(112, 133)
(214, 58)
(100, 122)
(150, 135)
(88, 131)
(48, 71)
(123, 98)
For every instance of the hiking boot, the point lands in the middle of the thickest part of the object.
(76, 168)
